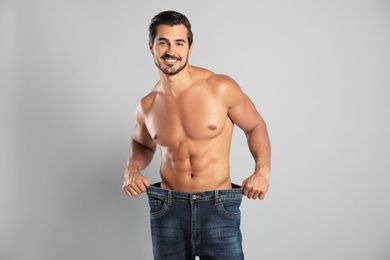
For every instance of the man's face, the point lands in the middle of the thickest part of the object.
(170, 48)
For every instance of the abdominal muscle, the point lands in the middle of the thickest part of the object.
(196, 166)
(182, 177)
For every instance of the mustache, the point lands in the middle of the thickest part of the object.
(167, 56)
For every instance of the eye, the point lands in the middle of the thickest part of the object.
(161, 43)
(180, 44)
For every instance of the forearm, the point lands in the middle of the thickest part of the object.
(260, 148)
(139, 158)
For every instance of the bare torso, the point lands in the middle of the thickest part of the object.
(193, 131)
(190, 115)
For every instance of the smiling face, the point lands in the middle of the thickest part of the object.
(170, 48)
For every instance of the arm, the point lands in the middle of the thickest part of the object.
(256, 186)
(244, 114)
(142, 149)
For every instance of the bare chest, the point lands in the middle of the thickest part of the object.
(174, 120)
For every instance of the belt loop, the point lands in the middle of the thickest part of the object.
(169, 197)
(216, 197)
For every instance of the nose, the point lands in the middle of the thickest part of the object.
(171, 50)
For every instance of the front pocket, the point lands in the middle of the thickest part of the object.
(229, 208)
(157, 207)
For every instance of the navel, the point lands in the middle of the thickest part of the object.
(212, 127)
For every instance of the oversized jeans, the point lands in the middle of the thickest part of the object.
(204, 224)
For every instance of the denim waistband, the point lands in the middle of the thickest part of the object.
(155, 190)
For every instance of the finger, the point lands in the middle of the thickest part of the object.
(146, 182)
(245, 188)
(136, 189)
(143, 188)
(129, 192)
(140, 185)
(250, 194)
(262, 196)
(255, 195)
(246, 192)
(136, 192)
(125, 189)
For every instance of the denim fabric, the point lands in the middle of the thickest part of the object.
(204, 224)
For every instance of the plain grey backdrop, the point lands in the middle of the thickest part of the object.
(72, 73)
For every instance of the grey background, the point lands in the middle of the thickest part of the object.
(72, 73)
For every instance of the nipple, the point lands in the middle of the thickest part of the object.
(155, 137)
(212, 127)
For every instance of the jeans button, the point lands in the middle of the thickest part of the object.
(194, 197)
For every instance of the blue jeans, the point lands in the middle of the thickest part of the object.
(204, 224)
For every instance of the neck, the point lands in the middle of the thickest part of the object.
(177, 83)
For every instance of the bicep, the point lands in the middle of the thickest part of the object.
(142, 137)
(141, 134)
(244, 113)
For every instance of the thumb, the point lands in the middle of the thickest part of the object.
(146, 182)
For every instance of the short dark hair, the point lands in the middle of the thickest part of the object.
(169, 18)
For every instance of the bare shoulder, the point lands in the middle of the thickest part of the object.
(227, 88)
(147, 101)
(218, 82)
(221, 80)
(145, 105)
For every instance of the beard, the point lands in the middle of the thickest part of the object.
(170, 70)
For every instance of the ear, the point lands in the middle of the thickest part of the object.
(191, 47)
(150, 47)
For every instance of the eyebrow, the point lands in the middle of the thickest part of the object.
(165, 39)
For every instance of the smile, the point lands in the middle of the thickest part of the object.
(170, 59)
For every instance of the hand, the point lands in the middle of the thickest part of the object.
(134, 184)
(256, 186)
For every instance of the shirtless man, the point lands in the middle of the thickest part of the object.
(190, 115)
